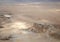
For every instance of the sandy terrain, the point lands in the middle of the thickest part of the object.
(35, 12)
(18, 33)
(48, 13)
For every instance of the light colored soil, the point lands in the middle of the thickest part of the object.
(33, 13)
(30, 37)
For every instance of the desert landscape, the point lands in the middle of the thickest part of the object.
(30, 22)
(35, 12)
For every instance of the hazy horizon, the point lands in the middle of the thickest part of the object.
(26, 1)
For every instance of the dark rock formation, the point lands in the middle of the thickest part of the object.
(52, 30)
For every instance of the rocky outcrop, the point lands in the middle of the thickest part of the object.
(52, 30)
